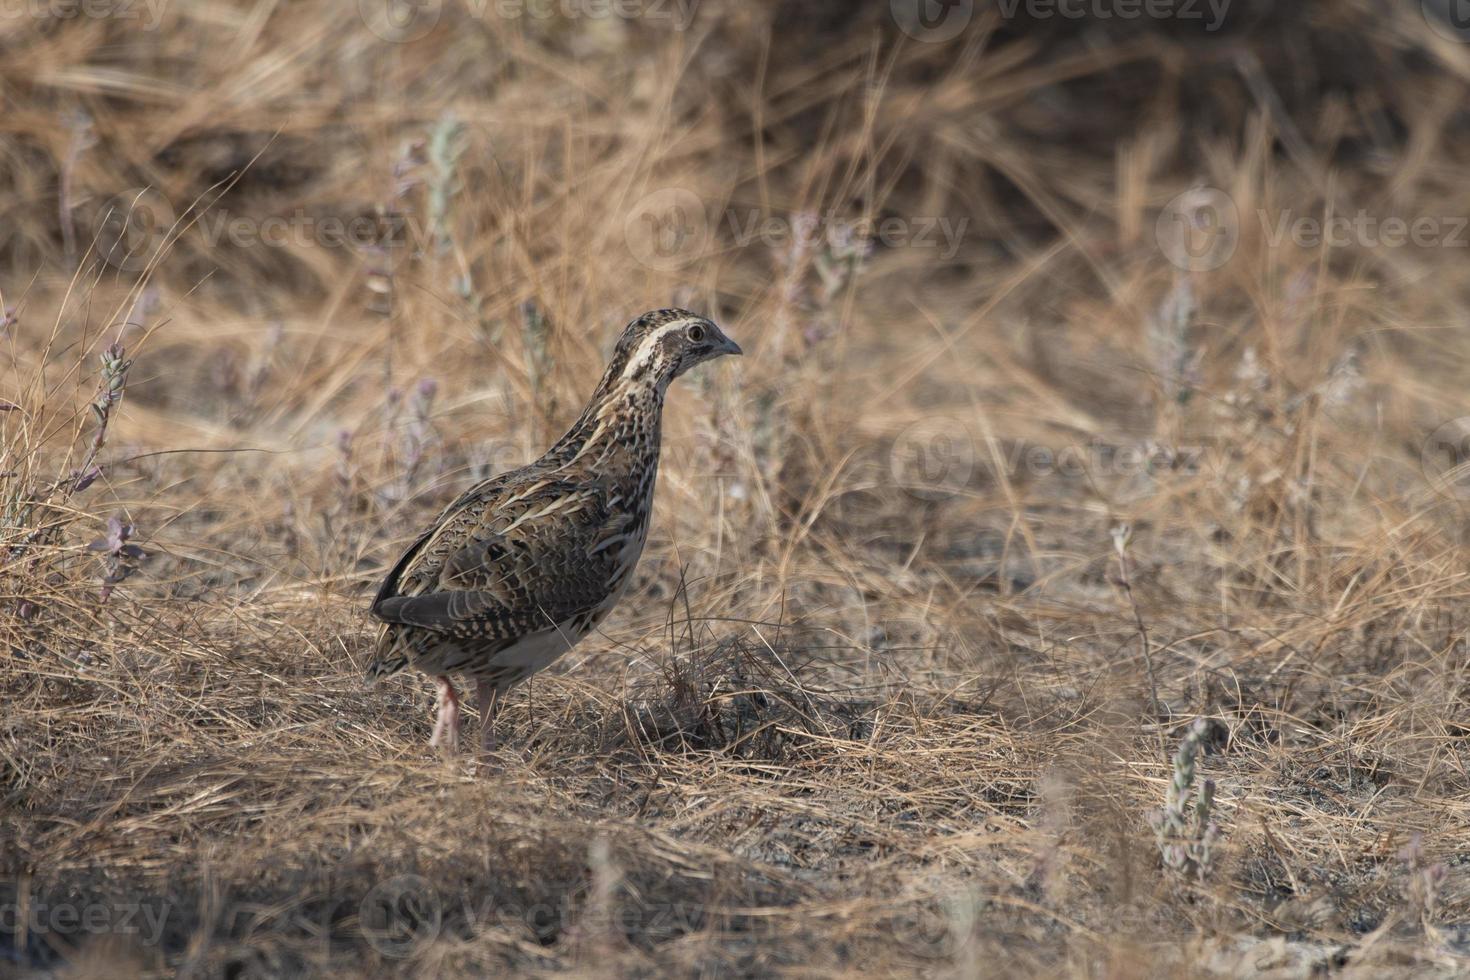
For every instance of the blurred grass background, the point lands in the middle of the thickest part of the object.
(1090, 390)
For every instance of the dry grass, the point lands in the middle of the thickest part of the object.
(942, 572)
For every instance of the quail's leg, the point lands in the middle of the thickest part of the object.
(488, 694)
(446, 723)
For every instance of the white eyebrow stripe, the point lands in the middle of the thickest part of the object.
(649, 344)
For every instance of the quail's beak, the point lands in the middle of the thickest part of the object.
(724, 345)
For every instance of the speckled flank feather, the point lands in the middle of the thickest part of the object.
(522, 566)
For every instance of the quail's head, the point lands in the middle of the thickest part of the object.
(663, 344)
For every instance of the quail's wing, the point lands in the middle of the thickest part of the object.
(523, 561)
(418, 566)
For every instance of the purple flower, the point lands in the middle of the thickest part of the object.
(119, 557)
(84, 479)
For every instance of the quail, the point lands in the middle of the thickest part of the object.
(521, 566)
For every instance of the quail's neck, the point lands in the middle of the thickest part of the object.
(620, 428)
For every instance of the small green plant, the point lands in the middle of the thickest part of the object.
(445, 145)
(1186, 831)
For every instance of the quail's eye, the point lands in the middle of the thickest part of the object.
(696, 333)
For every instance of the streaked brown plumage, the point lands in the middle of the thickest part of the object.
(522, 566)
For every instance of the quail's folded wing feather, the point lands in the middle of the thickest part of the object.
(512, 557)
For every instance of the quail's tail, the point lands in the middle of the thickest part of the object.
(388, 659)
(383, 667)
